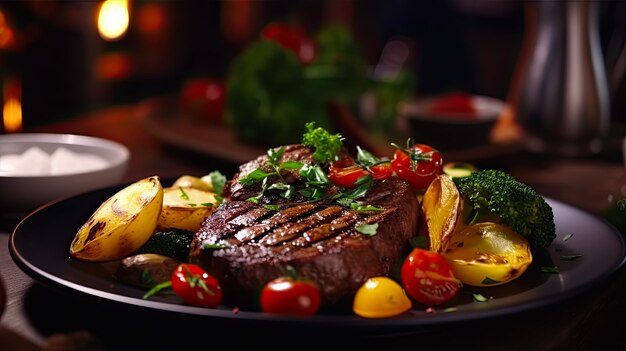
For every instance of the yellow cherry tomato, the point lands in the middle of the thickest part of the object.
(380, 297)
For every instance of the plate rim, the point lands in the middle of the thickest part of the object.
(411, 320)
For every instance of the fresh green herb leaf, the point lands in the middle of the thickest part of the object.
(366, 158)
(314, 175)
(489, 281)
(272, 207)
(567, 237)
(206, 204)
(550, 269)
(358, 207)
(480, 298)
(157, 288)
(367, 229)
(255, 199)
(218, 180)
(326, 145)
(219, 199)
(570, 257)
(291, 165)
(208, 246)
(146, 277)
(183, 194)
(419, 242)
(255, 176)
(274, 155)
(451, 309)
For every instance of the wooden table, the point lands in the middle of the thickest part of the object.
(37, 317)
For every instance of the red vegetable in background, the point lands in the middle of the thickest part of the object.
(204, 99)
(455, 103)
(292, 38)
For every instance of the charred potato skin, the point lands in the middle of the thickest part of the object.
(121, 224)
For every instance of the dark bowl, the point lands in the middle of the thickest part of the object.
(450, 130)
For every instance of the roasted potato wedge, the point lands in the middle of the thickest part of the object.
(122, 224)
(441, 206)
(488, 254)
(186, 208)
(188, 181)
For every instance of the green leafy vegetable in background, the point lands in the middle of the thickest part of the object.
(271, 95)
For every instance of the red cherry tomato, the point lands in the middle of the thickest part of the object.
(418, 165)
(292, 38)
(292, 296)
(381, 171)
(204, 99)
(346, 173)
(428, 278)
(195, 286)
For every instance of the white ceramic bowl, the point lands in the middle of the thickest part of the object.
(21, 193)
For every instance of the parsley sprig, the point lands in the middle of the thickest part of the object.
(316, 183)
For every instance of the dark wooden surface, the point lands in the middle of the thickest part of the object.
(36, 317)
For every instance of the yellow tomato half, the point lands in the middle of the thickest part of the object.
(488, 254)
(380, 297)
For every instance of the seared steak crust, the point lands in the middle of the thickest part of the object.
(318, 239)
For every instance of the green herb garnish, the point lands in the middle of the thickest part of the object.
(480, 298)
(550, 269)
(570, 257)
(489, 281)
(326, 145)
(367, 229)
(183, 193)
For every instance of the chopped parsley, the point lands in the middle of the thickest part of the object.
(550, 269)
(570, 257)
(326, 145)
(480, 297)
(367, 229)
(489, 281)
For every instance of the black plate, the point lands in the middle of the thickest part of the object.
(40, 244)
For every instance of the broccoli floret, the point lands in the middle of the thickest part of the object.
(173, 243)
(494, 192)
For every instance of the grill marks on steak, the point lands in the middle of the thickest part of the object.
(319, 240)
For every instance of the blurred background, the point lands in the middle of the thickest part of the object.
(60, 59)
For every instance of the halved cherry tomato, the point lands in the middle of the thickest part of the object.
(346, 172)
(427, 277)
(381, 171)
(291, 295)
(418, 164)
(292, 38)
(195, 286)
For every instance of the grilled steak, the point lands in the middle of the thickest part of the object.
(319, 239)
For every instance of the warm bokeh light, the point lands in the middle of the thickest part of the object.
(113, 19)
(7, 36)
(12, 115)
(115, 65)
(12, 109)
